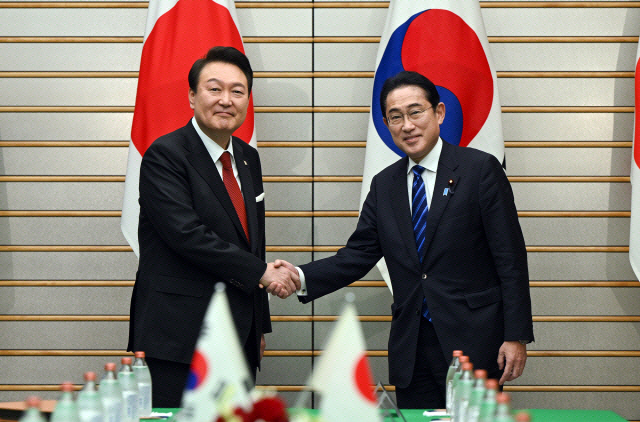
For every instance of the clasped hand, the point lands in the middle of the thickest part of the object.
(280, 281)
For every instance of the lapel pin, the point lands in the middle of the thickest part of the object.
(450, 188)
(446, 191)
(245, 163)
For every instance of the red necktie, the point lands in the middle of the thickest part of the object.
(233, 189)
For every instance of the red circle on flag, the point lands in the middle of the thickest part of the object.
(364, 380)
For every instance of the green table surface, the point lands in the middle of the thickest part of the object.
(537, 415)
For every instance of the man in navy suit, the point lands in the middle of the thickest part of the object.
(202, 221)
(460, 278)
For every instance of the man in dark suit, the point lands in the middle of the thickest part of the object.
(445, 221)
(201, 222)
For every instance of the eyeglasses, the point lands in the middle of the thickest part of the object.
(395, 119)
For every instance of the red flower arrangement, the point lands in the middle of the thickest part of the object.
(267, 408)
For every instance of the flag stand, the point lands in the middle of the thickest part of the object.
(385, 399)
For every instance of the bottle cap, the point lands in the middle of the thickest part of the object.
(480, 373)
(33, 401)
(66, 386)
(457, 353)
(110, 366)
(491, 384)
(523, 417)
(139, 354)
(467, 366)
(463, 358)
(126, 361)
(503, 398)
(89, 376)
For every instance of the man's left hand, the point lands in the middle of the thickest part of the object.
(263, 345)
(512, 358)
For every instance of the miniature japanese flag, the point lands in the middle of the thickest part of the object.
(343, 376)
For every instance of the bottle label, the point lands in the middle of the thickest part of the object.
(90, 416)
(130, 405)
(112, 410)
(144, 399)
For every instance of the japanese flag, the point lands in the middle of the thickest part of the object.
(634, 238)
(178, 32)
(343, 376)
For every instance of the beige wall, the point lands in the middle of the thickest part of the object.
(66, 271)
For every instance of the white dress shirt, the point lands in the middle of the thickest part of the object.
(430, 163)
(215, 151)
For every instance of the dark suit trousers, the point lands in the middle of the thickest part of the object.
(427, 389)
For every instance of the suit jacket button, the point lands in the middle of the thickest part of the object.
(424, 276)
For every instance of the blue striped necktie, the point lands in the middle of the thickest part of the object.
(420, 209)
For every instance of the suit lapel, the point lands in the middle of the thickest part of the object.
(249, 196)
(201, 161)
(446, 171)
(402, 210)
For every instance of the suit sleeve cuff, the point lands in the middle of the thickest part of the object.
(303, 283)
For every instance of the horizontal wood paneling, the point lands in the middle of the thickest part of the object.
(565, 74)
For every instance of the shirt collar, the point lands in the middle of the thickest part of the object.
(430, 161)
(212, 146)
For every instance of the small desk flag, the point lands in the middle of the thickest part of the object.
(343, 375)
(219, 378)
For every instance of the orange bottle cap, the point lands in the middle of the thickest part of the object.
(503, 398)
(33, 401)
(523, 417)
(66, 386)
(480, 373)
(491, 384)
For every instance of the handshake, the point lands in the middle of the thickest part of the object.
(281, 279)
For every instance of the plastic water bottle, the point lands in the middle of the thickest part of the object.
(111, 394)
(32, 413)
(66, 409)
(89, 401)
(463, 393)
(451, 407)
(143, 376)
(129, 386)
(488, 406)
(455, 363)
(503, 408)
(477, 394)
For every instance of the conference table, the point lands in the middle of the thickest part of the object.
(537, 415)
(12, 411)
